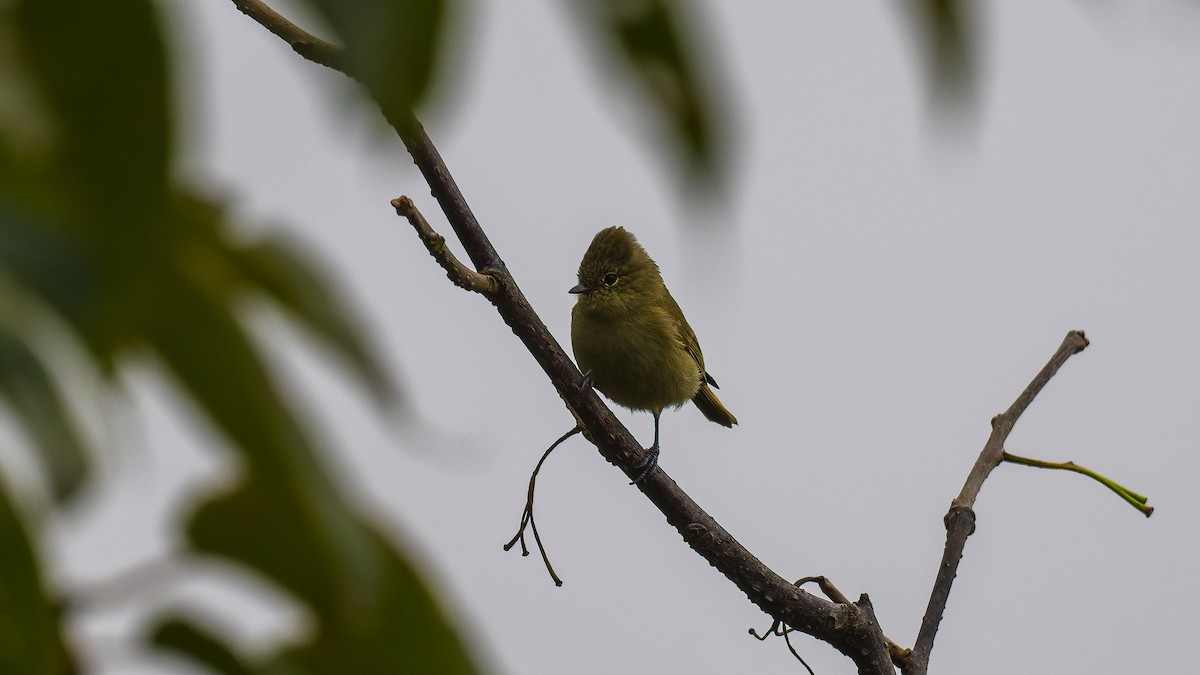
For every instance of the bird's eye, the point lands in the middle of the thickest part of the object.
(610, 279)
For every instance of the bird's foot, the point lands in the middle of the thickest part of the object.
(648, 464)
(588, 381)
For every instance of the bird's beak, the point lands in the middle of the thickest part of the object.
(579, 288)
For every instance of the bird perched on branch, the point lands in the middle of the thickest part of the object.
(630, 337)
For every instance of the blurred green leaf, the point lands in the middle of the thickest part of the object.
(30, 391)
(392, 45)
(183, 636)
(270, 525)
(398, 628)
(93, 228)
(30, 640)
(212, 359)
(286, 519)
(652, 40)
(943, 28)
(100, 68)
(406, 632)
(281, 272)
(45, 260)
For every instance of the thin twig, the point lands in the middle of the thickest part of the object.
(527, 514)
(1134, 499)
(788, 641)
(826, 587)
(460, 274)
(960, 520)
(779, 630)
(1002, 424)
(303, 43)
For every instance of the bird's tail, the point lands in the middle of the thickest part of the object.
(708, 403)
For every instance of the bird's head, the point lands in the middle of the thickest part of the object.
(616, 270)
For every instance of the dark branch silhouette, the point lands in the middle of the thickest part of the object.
(850, 627)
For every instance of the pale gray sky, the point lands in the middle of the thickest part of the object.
(874, 299)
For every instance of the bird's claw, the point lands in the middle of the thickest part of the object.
(648, 464)
(588, 381)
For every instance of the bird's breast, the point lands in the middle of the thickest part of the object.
(635, 358)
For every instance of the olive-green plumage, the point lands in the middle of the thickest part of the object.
(628, 331)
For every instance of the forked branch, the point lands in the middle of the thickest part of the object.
(960, 520)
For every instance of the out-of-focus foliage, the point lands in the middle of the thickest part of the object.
(653, 41)
(97, 237)
(943, 30)
(30, 639)
(30, 391)
(96, 234)
(195, 643)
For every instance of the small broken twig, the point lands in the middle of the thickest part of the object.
(897, 653)
(460, 274)
(827, 588)
(527, 514)
(779, 629)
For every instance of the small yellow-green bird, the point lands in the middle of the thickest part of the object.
(630, 337)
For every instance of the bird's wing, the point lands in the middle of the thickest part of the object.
(687, 338)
